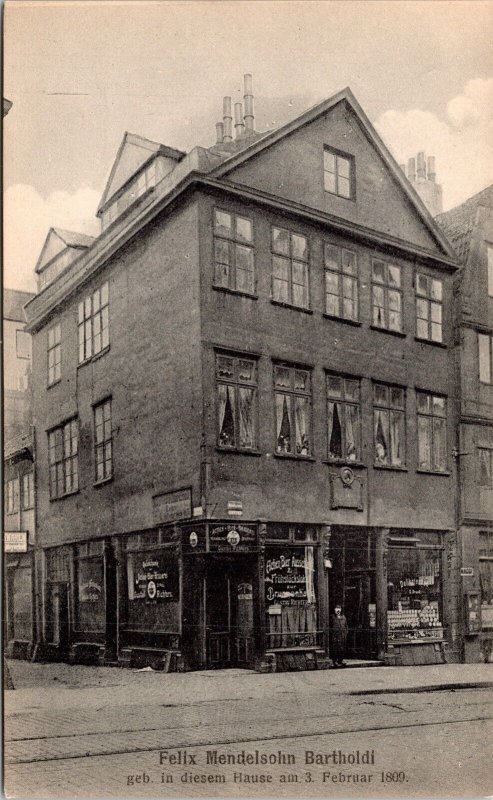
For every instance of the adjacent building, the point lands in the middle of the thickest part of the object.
(244, 403)
(469, 227)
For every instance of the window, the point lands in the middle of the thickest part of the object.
(432, 413)
(94, 333)
(428, 308)
(486, 577)
(27, 490)
(485, 464)
(23, 344)
(54, 354)
(386, 296)
(12, 505)
(485, 347)
(233, 252)
(63, 459)
(236, 379)
(103, 441)
(293, 410)
(341, 282)
(289, 268)
(490, 269)
(343, 398)
(338, 174)
(389, 425)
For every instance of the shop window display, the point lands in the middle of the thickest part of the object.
(414, 593)
(290, 596)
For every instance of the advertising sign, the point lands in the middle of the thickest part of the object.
(232, 538)
(15, 541)
(289, 577)
(155, 578)
(171, 506)
(193, 538)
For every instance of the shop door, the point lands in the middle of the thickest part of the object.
(360, 609)
(59, 627)
(229, 614)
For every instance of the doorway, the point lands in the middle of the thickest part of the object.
(229, 611)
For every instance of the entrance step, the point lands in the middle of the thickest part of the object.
(356, 662)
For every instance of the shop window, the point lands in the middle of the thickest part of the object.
(386, 296)
(236, 382)
(389, 425)
(485, 464)
(485, 347)
(64, 459)
(428, 308)
(152, 590)
(93, 323)
(486, 577)
(12, 496)
(290, 596)
(414, 586)
(338, 173)
(341, 282)
(344, 414)
(290, 268)
(233, 252)
(54, 354)
(91, 605)
(27, 491)
(103, 441)
(292, 390)
(432, 419)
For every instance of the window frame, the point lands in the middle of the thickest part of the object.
(387, 287)
(54, 370)
(91, 309)
(432, 396)
(488, 337)
(106, 443)
(292, 393)
(27, 496)
(12, 499)
(344, 402)
(341, 274)
(351, 178)
(489, 451)
(290, 259)
(71, 425)
(430, 302)
(389, 409)
(233, 242)
(237, 383)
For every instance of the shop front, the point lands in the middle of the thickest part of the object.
(19, 599)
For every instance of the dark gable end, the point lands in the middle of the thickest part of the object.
(289, 163)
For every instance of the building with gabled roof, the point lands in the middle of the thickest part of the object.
(244, 395)
(469, 228)
(60, 249)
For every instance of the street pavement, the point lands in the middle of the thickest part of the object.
(74, 731)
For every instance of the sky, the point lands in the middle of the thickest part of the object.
(80, 74)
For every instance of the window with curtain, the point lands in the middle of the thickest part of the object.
(290, 268)
(290, 596)
(292, 392)
(236, 382)
(233, 252)
(386, 296)
(344, 415)
(432, 421)
(341, 282)
(389, 425)
(428, 308)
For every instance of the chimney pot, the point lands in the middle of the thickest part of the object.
(227, 120)
(248, 98)
(220, 132)
(431, 169)
(421, 166)
(239, 124)
(411, 169)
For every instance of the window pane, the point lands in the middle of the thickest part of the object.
(246, 370)
(395, 321)
(423, 402)
(439, 454)
(424, 442)
(302, 425)
(280, 290)
(436, 332)
(81, 312)
(344, 187)
(329, 161)
(394, 275)
(332, 282)
(422, 308)
(222, 259)
(299, 245)
(226, 410)
(352, 432)
(96, 301)
(343, 166)
(349, 262)
(223, 223)
(378, 271)
(381, 394)
(283, 424)
(280, 241)
(381, 437)
(334, 386)
(422, 285)
(397, 439)
(225, 367)
(422, 328)
(280, 267)
(244, 229)
(335, 430)
(436, 312)
(438, 406)
(244, 268)
(490, 270)
(282, 377)
(397, 398)
(331, 256)
(301, 380)
(484, 358)
(332, 305)
(246, 417)
(436, 290)
(330, 182)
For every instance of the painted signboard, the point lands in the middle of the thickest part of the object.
(232, 538)
(171, 506)
(154, 578)
(289, 577)
(15, 541)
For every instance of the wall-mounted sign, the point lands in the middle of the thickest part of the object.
(289, 577)
(235, 508)
(232, 538)
(171, 506)
(346, 490)
(153, 577)
(15, 541)
(467, 572)
(245, 591)
(193, 538)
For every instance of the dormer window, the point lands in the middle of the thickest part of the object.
(338, 173)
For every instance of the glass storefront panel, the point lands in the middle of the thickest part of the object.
(90, 595)
(414, 590)
(152, 590)
(22, 603)
(290, 596)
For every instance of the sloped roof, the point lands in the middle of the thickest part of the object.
(458, 223)
(13, 304)
(73, 239)
(138, 150)
(57, 241)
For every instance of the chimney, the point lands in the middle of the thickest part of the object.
(403, 168)
(239, 124)
(411, 169)
(431, 169)
(248, 98)
(227, 120)
(421, 166)
(219, 132)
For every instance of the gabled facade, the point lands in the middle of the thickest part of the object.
(469, 227)
(60, 249)
(254, 415)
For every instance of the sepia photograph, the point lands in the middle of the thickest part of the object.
(247, 398)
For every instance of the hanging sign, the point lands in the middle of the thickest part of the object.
(232, 538)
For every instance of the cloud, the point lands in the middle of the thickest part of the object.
(27, 218)
(461, 141)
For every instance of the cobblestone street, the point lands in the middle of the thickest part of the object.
(86, 731)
